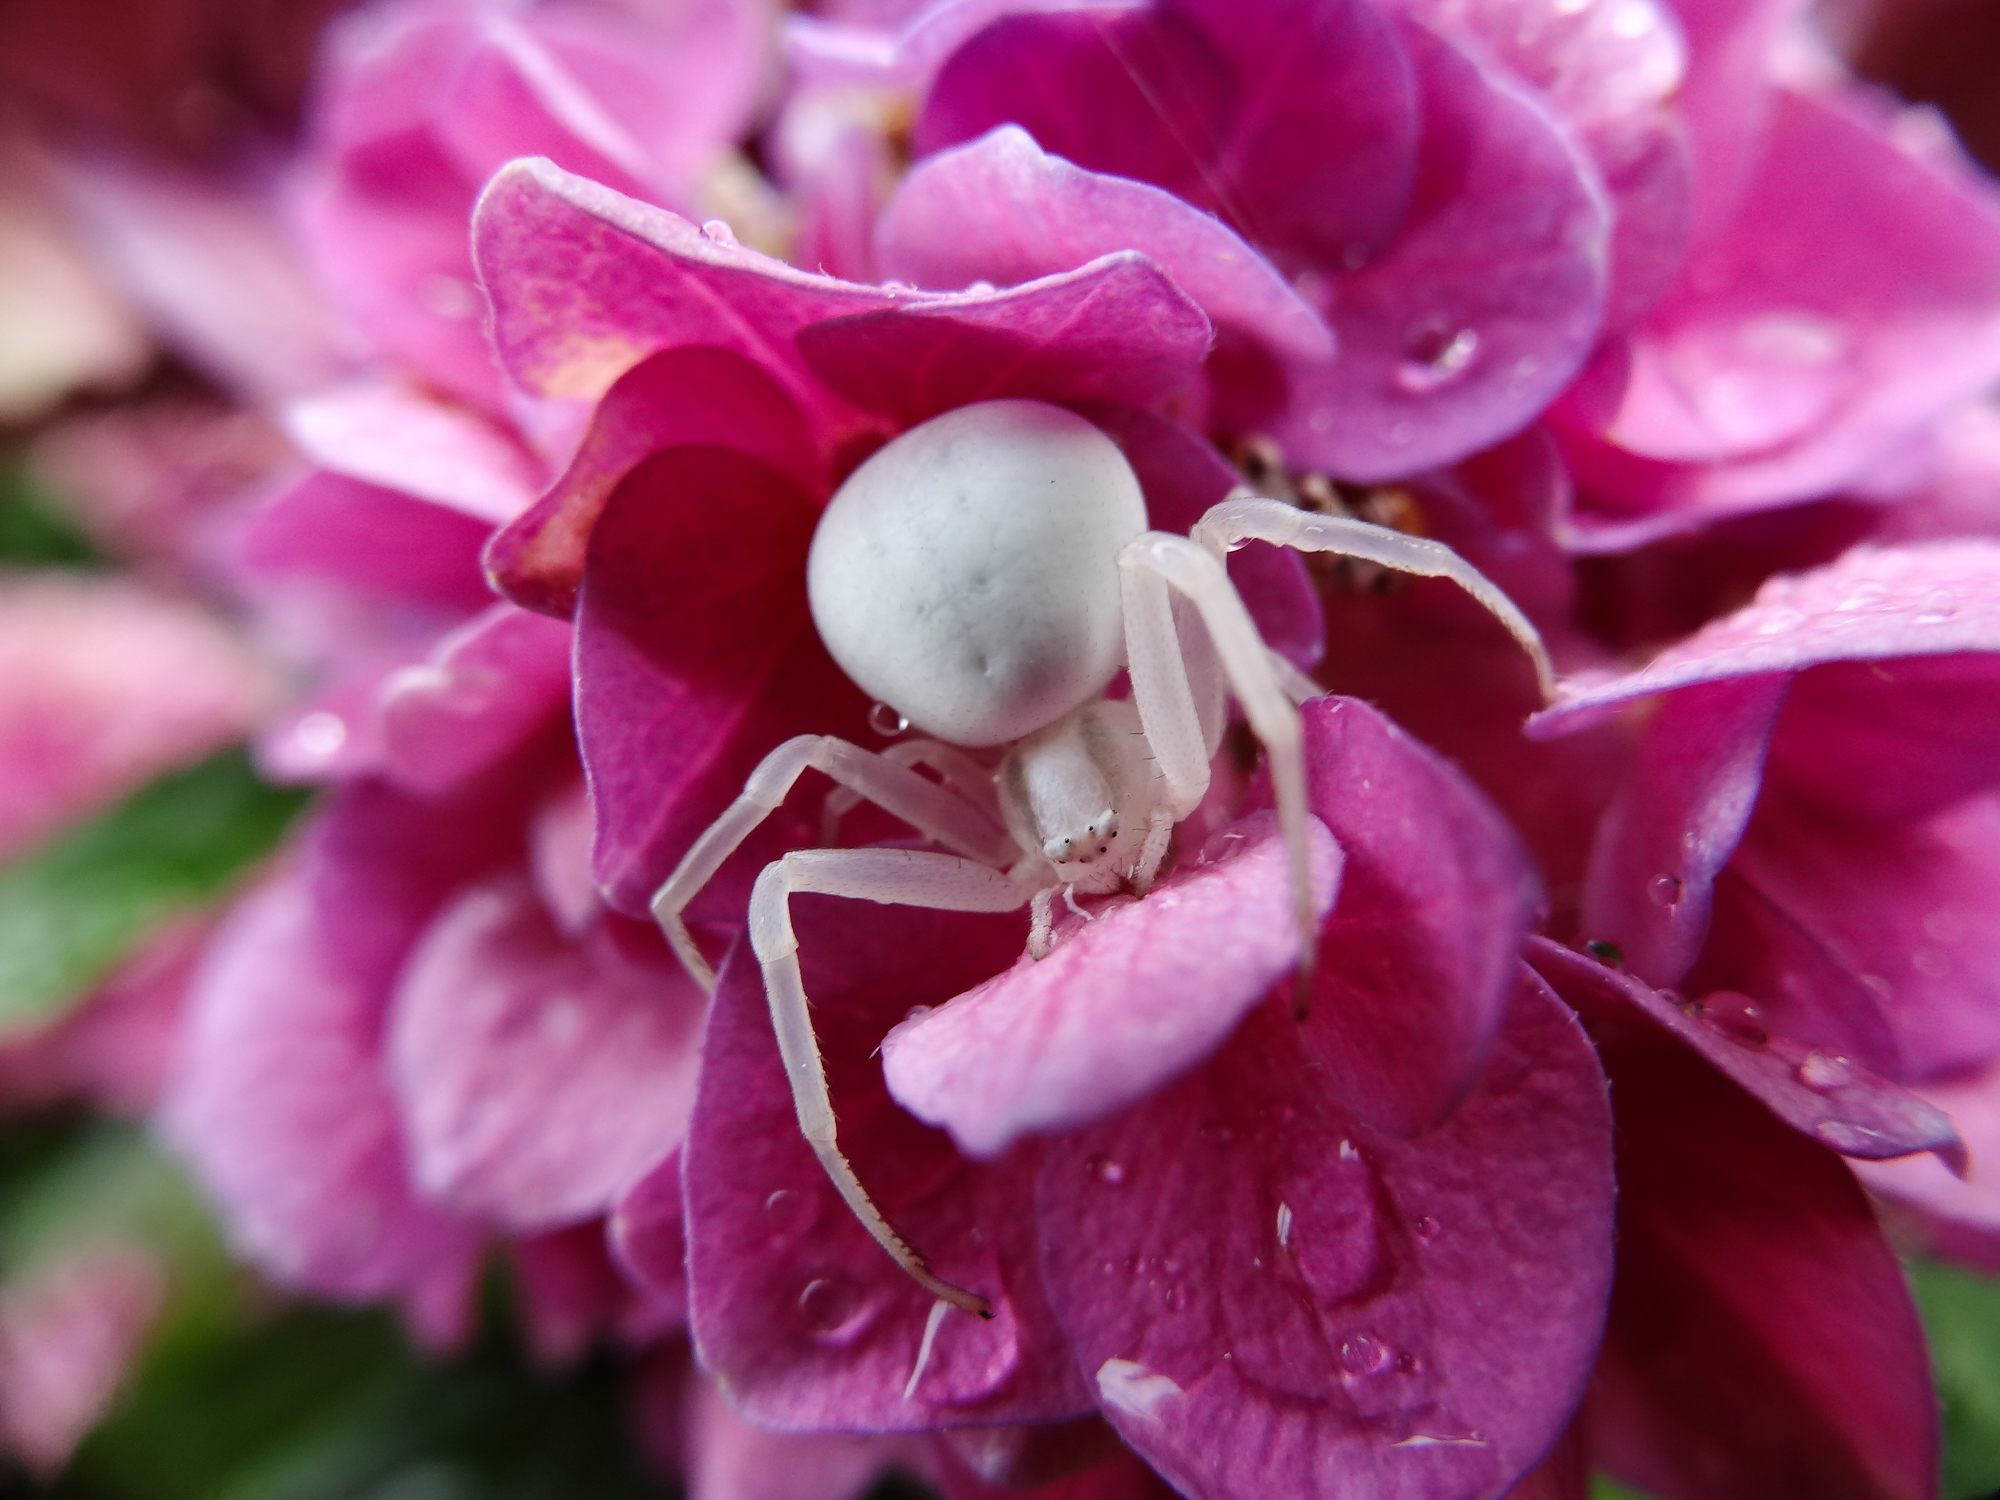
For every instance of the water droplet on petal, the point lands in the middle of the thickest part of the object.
(1735, 1016)
(1940, 605)
(1607, 953)
(1436, 360)
(827, 1303)
(1823, 1073)
(886, 722)
(1105, 1170)
(1665, 890)
(1845, 1136)
(1364, 1354)
(1779, 621)
(789, 1211)
(719, 231)
(1427, 1228)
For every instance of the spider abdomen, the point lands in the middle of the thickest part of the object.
(967, 574)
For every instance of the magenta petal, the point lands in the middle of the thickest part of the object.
(486, 689)
(1762, 1344)
(1908, 908)
(586, 282)
(1294, 119)
(394, 437)
(1417, 962)
(803, 1316)
(281, 1105)
(695, 655)
(539, 1076)
(1874, 603)
(1483, 307)
(690, 395)
(1116, 329)
(648, 1237)
(1239, 1255)
(381, 542)
(1125, 1003)
(1001, 210)
(1826, 1098)
(1677, 821)
(569, 1292)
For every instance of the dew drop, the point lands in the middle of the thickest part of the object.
(1735, 1016)
(1607, 953)
(1427, 1228)
(1436, 360)
(788, 1211)
(1779, 621)
(1843, 1135)
(1105, 1170)
(719, 231)
(1940, 605)
(1665, 890)
(1364, 1354)
(1823, 1073)
(826, 1303)
(886, 722)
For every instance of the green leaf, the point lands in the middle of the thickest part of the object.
(1602, 1487)
(33, 529)
(1962, 1315)
(76, 906)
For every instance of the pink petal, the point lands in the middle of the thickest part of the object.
(104, 685)
(729, 1458)
(695, 656)
(1116, 329)
(485, 690)
(398, 439)
(281, 1106)
(1728, 97)
(377, 541)
(1001, 210)
(803, 1316)
(682, 395)
(1483, 307)
(1121, 1475)
(1417, 962)
(569, 1292)
(1825, 1098)
(1955, 1215)
(539, 1077)
(1275, 1299)
(1800, 347)
(1762, 1344)
(1294, 120)
(1872, 604)
(649, 281)
(648, 1238)
(1127, 1001)
(1676, 823)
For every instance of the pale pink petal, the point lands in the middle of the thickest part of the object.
(538, 1077)
(106, 684)
(1129, 1000)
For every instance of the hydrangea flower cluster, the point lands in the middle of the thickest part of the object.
(1633, 1016)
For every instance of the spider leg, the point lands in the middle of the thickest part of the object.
(900, 877)
(1166, 707)
(1244, 517)
(933, 811)
(961, 773)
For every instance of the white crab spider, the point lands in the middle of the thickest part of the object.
(988, 573)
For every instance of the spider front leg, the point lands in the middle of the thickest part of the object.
(1245, 517)
(900, 877)
(925, 806)
(1166, 700)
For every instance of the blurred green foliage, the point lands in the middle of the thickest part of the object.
(71, 909)
(34, 532)
(1962, 1315)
